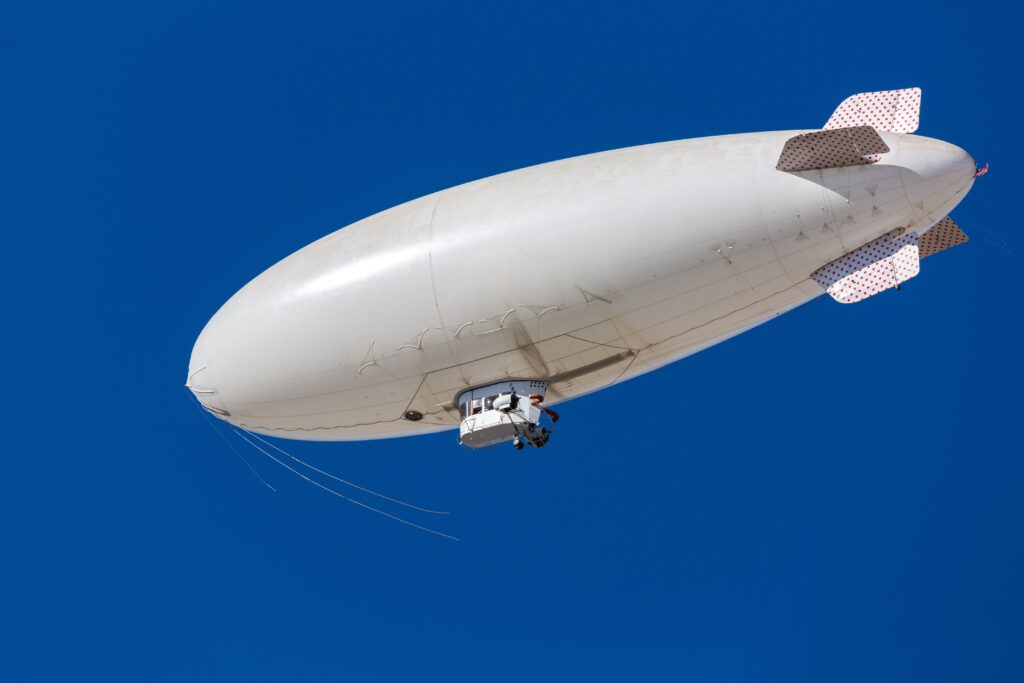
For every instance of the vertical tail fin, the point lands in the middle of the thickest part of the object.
(896, 111)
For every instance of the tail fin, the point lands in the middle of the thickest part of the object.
(831, 149)
(896, 111)
(941, 236)
(886, 262)
(879, 265)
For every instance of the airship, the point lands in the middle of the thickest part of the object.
(479, 307)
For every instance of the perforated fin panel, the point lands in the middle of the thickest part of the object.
(877, 266)
(942, 236)
(897, 111)
(831, 149)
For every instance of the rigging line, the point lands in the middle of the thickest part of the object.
(971, 224)
(313, 429)
(343, 496)
(343, 481)
(998, 246)
(726, 315)
(230, 445)
(1001, 244)
(409, 404)
(610, 346)
(625, 369)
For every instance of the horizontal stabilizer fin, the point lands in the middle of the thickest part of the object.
(831, 149)
(877, 266)
(896, 111)
(942, 236)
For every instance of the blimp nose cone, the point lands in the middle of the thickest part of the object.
(201, 379)
(936, 174)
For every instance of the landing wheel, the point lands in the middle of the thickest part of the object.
(518, 443)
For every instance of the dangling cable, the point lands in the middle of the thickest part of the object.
(230, 445)
(339, 479)
(1002, 244)
(342, 496)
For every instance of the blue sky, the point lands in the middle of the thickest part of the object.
(159, 155)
